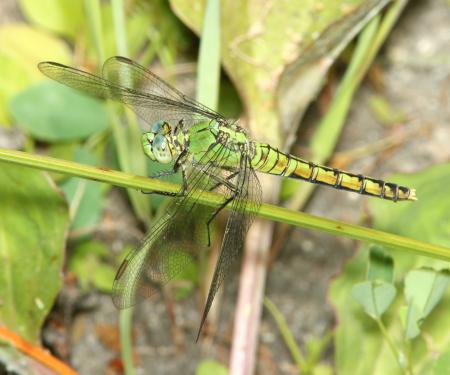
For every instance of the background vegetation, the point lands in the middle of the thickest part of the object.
(63, 237)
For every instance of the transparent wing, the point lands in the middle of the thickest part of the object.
(127, 73)
(172, 243)
(248, 194)
(126, 81)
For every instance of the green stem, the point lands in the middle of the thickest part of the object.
(126, 346)
(391, 344)
(268, 211)
(93, 12)
(408, 358)
(120, 31)
(208, 77)
(288, 338)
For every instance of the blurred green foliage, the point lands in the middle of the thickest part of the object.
(266, 63)
(421, 306)
(33, 227)
(68, 125)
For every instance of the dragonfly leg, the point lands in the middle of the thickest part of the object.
(224, 182)
(231, 187)
(214, 214)
(170, 194)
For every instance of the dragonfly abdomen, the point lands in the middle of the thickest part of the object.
(270, 160)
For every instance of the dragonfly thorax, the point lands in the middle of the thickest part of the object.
(158, 144)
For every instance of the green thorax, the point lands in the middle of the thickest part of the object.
(212, 136)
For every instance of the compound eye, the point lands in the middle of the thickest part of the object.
(147, 144)
(161, 149)
(157, 126)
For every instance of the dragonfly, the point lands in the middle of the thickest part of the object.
(212, 154)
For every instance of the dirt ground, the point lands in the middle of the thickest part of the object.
(415, 68)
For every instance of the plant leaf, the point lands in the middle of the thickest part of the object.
(428, 219)
(442, 364)
(88, 262)
(61, 16)
(374, 297)
(260, 42)
(381, 265)
(33, 227)
(424, 288)
(85, 196)
(27, 46)
(53, 112)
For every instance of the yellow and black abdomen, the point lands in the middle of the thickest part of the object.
(270, 160)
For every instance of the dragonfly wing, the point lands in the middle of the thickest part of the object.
(127, 73)
(125, 81)
(173, 242)
(244, 206)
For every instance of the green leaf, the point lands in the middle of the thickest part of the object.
(411, 320)
(424, 288)
(85, 196)
(61, 16)
(27, 46)
(374, 297)
(14, 79)
(33, 225)
(88, 262)
(21, 48)
(53, 112)
(263, 46)
(427, 219)
(142, 18)
(209, 367)
(442, 364)
(381, 265)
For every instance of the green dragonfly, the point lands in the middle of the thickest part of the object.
(212, 154)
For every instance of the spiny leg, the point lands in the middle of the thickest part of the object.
(231, 187)
(170, 194)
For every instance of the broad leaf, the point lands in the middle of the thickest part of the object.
(381, 265)
(374, 297)
(53, 112)
(62, 16)
(277, 53)
(424, 288)
(19, 57)
(33, 224)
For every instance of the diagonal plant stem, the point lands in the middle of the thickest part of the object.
(267, 211)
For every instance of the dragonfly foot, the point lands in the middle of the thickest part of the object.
(165, 193)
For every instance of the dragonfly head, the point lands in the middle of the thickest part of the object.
(157, 143)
